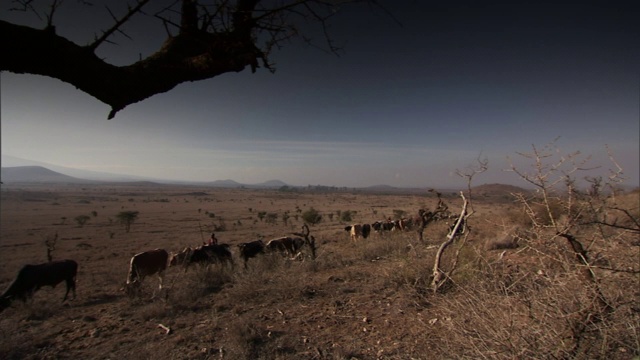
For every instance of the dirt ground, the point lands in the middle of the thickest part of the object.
(363, 300)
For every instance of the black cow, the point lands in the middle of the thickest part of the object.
(380, 226)
(461, 229)
(250, 249)
(208, 254)
(32, 277)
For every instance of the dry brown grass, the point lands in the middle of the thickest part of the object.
(367, 300)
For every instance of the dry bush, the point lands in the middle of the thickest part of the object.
(570, 291)
(413, 274)
(189, 288)
(269, 278)
(376, 247)
(532, 312)
(246, 340)
(25, 346)
(538, 213)
(551, 299)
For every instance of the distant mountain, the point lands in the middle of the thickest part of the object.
(497, 189)
(12, 161)
(37, 174)
(223, 183)
(271, 184)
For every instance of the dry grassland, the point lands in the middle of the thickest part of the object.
(364, 300)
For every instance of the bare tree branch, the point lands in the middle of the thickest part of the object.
(117, 25)
(439, 276)
(230, 38)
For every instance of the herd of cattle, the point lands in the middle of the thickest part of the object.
(363, 230)
(32, 277)
(153, 262)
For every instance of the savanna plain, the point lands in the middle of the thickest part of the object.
(514, 289)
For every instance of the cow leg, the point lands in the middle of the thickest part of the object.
(71, 286)
(161, 278)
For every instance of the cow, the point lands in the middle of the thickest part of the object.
(32, 277)
(358, 230)
(402, 224)
(291, 246)
(203, 255)
(380, 226)
(180, 258)
(461, 229)
(250, 249)
(144, 264)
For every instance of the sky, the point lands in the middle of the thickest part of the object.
(413, 98)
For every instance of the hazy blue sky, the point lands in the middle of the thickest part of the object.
(404, 105)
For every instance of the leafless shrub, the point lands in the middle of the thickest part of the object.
(375, 248)
(412, 274)
(551, 299)
(188, 289)
(528, 313)
(246, 340)
(508, 241)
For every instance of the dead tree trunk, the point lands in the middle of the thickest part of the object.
(51, 246)
(439, 276)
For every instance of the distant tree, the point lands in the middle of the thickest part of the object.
(50, 243)
(261, 215)
(127, 218)
(312, 216)
(399, 214)
(205, 39)
(271, 218)
(82, 219)
(346, 216)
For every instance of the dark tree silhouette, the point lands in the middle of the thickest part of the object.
(127, 218)
(204, 39)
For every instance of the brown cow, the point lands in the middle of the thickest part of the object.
(290, 246)
(32, 277)
(144, 264)
(402, 224)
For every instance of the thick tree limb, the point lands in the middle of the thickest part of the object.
(182, 58)
(238, 34)
(194, 54)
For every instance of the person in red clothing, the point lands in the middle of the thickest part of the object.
(213, 240)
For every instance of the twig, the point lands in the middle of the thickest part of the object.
(165, 328)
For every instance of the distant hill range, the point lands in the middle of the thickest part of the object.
(497, 190)
(274, 184)
(40, 174)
